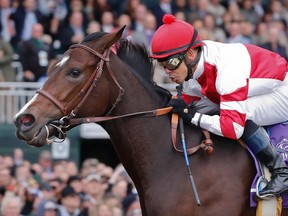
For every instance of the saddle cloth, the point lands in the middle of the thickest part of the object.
(279, 138)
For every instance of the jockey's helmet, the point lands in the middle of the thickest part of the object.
(174, 36)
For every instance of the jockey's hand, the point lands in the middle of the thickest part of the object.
(182, 109)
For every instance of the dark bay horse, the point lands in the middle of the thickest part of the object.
(90, 80)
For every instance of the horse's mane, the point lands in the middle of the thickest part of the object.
(136, 56)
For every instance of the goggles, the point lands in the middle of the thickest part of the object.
(173, 62)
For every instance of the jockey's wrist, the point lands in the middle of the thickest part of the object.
(196, 120)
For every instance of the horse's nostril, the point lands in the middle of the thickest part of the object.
(25, 120)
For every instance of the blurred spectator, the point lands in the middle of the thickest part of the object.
(181, 6)
(69, 202)
(235, 35)
(273, 42)
(46, 162)
(131, 205)
(18, 155)
(278, 11)
(35, 55)
(57, 185)
(77, 6)
(210, 24)
(71, 168)
(102, 209)
(180, 15)
(107, 22)
(46, 194)
(88, 7)
(192, 5)
(76, 183)
(25, 16)
(6, 24)
(112, 200)
(23, 174)
(6, 57)
(93, 187)
(120, 189)
(11, 205)
(56, 10)
(8, 161)
(73, 32)
(100, 7)
(261, 33)
(205, 34)
(162, 7)
(139, 19)
(232, 14)
(5, 177)
(93, 26)
(202, 10)
(145, 36)
(29, 196)
(198, 24)
(259, 7)
(217, 10)
(124, 20)
(249, 12)
(50, 209)
(117, 211)
(247, 30)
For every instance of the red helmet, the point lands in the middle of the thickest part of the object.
(174, 36)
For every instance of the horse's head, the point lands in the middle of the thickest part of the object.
(69, 84)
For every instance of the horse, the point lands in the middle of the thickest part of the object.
(109, 80)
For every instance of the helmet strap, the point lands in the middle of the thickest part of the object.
(190, 64)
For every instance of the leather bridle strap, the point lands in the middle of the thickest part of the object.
(52, 99)
(156, 112)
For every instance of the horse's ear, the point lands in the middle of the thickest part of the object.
(109, 39)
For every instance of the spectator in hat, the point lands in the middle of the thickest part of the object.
(70, 202)
(94, 188)
(50, 208)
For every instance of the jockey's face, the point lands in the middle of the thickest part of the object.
(178, 75)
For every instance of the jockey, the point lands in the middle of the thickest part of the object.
(249, 83)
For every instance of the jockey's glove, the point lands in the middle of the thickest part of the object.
(182, 109)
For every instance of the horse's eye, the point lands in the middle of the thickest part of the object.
(75, 72)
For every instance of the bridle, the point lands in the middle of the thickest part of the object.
(70, 110)
(73, 107)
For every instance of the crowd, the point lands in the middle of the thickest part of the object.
(59, 188)
(46, 28)
(39, 31)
